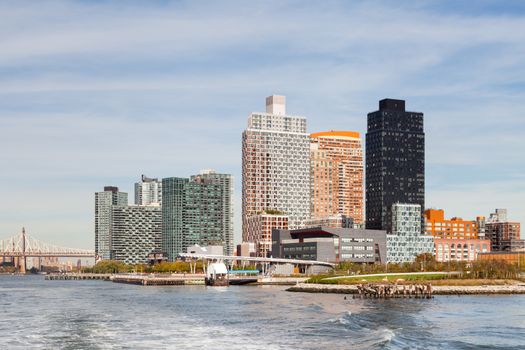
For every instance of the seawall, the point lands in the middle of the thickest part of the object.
(437, 290)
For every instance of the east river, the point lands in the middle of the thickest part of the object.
(39, 314)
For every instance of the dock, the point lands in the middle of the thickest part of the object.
(171, 279)
(162, 280)
(78, 276)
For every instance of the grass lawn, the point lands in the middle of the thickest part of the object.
(434, 279)
(380, 278)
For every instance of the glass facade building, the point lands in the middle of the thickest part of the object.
(395, 162)
(104, 201)
(406, 240)
(197, 211)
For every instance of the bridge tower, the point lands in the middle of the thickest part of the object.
(22, 260)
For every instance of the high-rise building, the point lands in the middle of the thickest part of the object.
(275, 165)
(406, 240)
(336, 174)
(395, 162)
(135, 232)
(503, 234)
(196, 211)
(225, 181)
(103, 204)
(148, 191)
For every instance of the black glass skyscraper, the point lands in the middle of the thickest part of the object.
(395, 162)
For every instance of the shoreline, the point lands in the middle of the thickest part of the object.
(436, 290)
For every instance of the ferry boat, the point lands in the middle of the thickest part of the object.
(216, 275)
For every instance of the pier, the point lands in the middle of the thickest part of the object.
(172, 279)
(154, 280)
(77, 276)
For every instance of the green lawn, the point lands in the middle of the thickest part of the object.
(379, 278)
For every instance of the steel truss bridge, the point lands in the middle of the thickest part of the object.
(22, 245)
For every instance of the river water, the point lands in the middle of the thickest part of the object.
(39, 314)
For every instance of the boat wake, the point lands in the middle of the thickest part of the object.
(361, 331)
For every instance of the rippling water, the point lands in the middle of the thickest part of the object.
(39, 314)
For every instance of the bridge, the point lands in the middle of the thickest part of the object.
(22, 245)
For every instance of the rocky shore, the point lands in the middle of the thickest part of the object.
(518, 288)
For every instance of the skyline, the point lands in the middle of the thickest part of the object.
(68, 87)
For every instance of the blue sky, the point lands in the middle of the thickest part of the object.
(96, 93)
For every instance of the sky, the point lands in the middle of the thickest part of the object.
(96, 93)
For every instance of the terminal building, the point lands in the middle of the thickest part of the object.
(330, 244)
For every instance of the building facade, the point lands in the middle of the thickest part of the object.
(395, 162)
(148, 191)
(406, 240)
(104, 201)
(259, 230)
(459, 249)
(336, 173)
(454, 228)
(225, 181)
(503, 234)
(135, 232)
(275, 165)
(330, 244)
(196, 211)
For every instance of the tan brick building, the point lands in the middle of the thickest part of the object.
(336, 175)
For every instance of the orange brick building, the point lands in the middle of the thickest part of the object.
(336, 171)
(454, 228)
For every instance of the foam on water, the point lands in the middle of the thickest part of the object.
(40, 314)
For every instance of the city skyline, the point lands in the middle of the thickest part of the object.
(93, 119)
